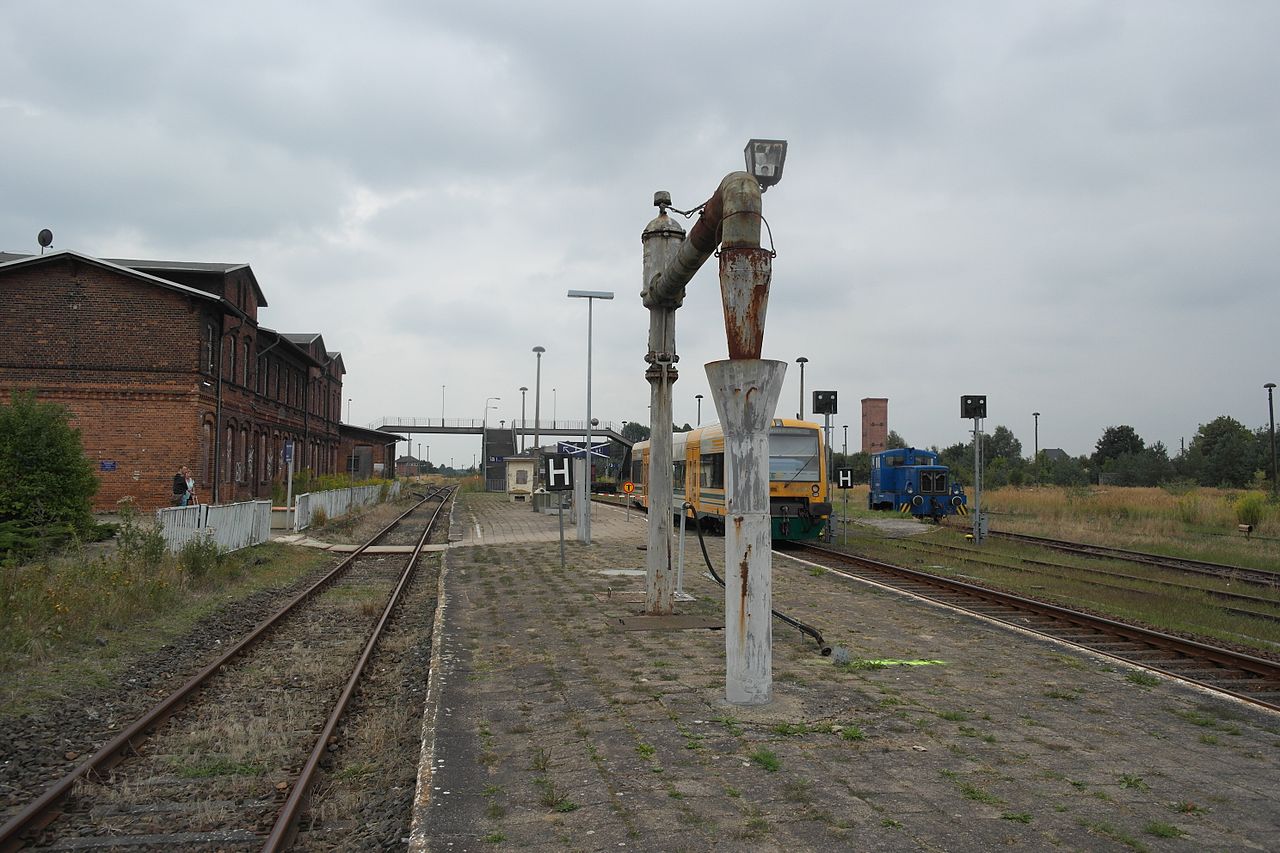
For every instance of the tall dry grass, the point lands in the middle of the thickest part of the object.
(1197, 522)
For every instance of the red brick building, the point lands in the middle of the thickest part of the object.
(164, 364)
(875, 424)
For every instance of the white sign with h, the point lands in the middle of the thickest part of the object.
(559, 473)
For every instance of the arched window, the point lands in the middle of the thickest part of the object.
(244, 378)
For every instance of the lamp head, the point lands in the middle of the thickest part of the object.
(764, 160)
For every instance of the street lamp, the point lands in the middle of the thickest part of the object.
(523, 389)
(352, 467)
(537, 399)
(584, 489)
(699, 399)
(802, 361)
(441, 405)
(1036, 457)
(1271, 409)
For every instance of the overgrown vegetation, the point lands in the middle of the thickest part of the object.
(46, 483)
(70, 597)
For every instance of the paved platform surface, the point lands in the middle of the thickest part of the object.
(551, 727)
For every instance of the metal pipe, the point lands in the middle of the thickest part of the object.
(661, 240)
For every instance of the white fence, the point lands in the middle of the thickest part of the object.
(231, 526)
(337, 502)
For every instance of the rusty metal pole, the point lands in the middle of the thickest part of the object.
(662, 238)
(746, 390)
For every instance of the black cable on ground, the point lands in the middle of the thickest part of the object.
(823, 648)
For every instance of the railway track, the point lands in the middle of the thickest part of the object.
(229, 760)
(1257, 577)
(1259, 607)
(1251, 679)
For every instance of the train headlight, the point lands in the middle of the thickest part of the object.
(816, 489)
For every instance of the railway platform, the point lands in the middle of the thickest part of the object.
(556, 721)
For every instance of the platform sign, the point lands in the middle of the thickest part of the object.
(288, 452)
(570, 449)
(628, 487)
(559, 472)
(844, 478)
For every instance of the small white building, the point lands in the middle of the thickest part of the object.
(519, 478)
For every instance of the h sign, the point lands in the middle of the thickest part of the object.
(844, 478)
(559, 473)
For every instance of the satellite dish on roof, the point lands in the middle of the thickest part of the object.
(45, 239)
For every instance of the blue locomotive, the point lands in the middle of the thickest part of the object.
(912, 481)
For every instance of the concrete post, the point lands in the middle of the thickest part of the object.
(746, 394)
(662, 239)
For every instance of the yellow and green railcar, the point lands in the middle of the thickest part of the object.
(799, 505)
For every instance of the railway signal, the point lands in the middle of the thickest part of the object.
(975, 406)
(844, 482)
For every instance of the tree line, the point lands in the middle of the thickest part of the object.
(1223, 453)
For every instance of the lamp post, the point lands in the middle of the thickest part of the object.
(1271, 410)
(537, 399)
(442, 405)
(351, 478)
(523, 424)
(698, 397)
(802, 361)
(553, 408)
(845, 447)
(1036, 457)
(584, 488)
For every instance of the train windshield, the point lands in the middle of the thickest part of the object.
(793, 455)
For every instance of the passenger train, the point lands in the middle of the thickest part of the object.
(799, 506)
(912, 481)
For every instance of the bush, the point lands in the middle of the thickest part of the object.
(199, 557)
(1250, 508)
(46, 482)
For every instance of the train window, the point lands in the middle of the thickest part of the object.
(893, 461)
(794, 455)
(711, 471)
(637, 471)
(677, 477)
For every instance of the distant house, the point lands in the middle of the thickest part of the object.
(520, 470)
(1054, 454)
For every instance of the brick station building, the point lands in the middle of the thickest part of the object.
(163, 364)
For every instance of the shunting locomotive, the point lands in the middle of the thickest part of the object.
(799, 507)
(912, 482)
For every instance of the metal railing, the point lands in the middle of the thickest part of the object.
(338, 502)
(477, 424)
(230, 526)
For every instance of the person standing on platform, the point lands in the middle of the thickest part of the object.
(180, 490)
(191, 487)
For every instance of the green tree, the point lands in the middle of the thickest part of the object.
(634, 431)
(1115, 441)
(46, 483)
(1223, 453)
(1001, 444)
(894, 441)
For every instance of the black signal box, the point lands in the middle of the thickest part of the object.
(973, 406)
(824, 402)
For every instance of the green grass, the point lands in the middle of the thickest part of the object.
(1163, 830)
(209, 768)
(1142, 679)
(767, 759)
(1017, 817)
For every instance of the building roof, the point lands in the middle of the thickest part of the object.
(157, 268)
(10, 262)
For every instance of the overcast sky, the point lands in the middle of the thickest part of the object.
(1068, 206)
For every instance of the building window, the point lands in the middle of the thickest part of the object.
(244, 379)
(231, 361)
(208, 354)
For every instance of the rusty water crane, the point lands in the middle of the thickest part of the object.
(745, 389)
